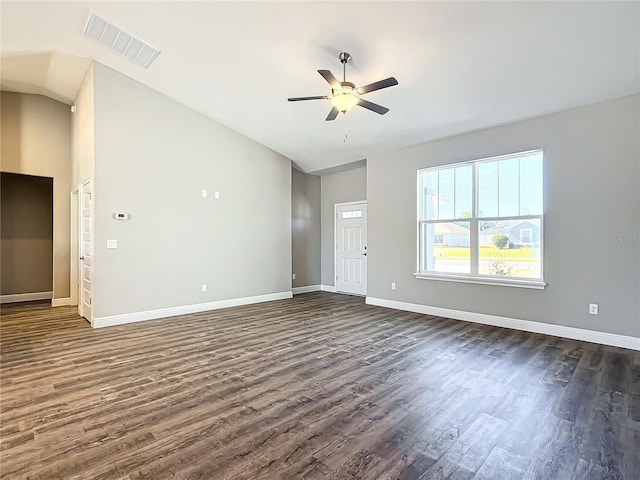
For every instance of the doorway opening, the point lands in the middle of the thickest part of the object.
(27, 238)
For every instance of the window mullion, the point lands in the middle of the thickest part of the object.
(438, 197)
(498, 188)
(473, 225)
(519, 189)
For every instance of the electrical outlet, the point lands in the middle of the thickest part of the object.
(293, 276)
(204, 287)
(216, 195)
(204, 193)
(593, 308)
(393, 285)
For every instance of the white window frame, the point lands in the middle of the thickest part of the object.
(474, 276)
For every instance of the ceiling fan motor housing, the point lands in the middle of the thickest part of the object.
(347, 87)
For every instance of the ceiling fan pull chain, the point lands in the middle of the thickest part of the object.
(344, 139)
(346, 135)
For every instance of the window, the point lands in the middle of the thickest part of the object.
(526, 235)
(481, 221)
(352, 214)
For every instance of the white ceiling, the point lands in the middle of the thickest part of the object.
(461, 66)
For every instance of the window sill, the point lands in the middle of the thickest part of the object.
(512, 282)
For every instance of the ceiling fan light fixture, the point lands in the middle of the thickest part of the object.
(344, 101)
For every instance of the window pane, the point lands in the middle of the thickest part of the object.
(531, 185)
(464, 191)
(446, 194)
(511, 249)
(429, 188)
(488, 189)
(509, 185)
(446, 247)
(351, 214)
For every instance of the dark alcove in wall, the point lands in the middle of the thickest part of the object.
(27, 237)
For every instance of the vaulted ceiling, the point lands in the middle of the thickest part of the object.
(461, 66)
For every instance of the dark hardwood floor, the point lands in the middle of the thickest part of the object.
(318, 387)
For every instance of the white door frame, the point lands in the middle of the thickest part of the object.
(74, 252)
(335, 236)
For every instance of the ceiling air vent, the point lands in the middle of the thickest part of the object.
(119, 41)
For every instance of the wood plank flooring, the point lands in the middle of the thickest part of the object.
(318, 387)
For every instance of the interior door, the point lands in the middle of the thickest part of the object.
(351, 248)
(86, 251)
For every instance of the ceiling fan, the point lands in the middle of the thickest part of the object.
(345, 95)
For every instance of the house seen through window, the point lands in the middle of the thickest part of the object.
(483, 219)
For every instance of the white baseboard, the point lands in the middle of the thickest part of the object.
(61, 302)
(603, 338)
(314, 288)
(306, 289)
(112, 320)
(26, 297)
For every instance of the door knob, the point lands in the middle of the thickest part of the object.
(81, 258)
(365, 254)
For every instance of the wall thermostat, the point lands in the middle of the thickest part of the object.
(121, 216)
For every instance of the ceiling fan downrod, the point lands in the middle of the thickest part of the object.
(344, 58)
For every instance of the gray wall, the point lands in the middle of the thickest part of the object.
(27, 234)
(305, 228)
(36, 140)
(153, 157)
(592, 219)
(83, 142)
(347, 186)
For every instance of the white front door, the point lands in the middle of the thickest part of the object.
(86, 251)
(351, 248)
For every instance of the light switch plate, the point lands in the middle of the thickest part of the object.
(112, 243)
